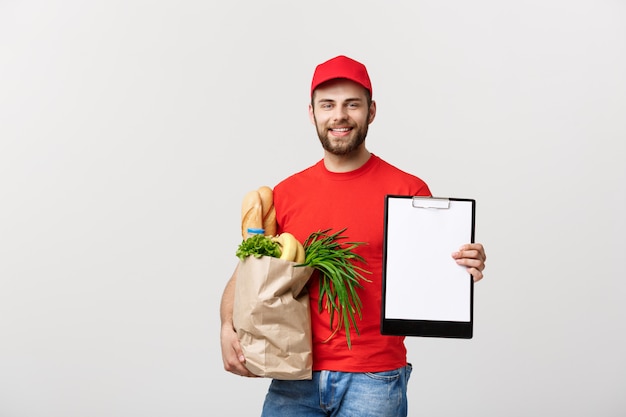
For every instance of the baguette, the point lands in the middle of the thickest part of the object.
(251, 212)
(269, 212)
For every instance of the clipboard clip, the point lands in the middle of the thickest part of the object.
(431, 202)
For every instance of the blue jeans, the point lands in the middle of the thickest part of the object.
(340, 394)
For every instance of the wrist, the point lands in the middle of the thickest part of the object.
(228, 326)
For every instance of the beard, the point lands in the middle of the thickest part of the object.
(344, 146)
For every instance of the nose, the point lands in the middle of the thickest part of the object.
(340, 113)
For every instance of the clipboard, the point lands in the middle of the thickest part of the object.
(425, 293)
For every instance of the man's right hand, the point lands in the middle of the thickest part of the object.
(232, 355)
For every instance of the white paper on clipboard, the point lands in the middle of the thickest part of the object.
(425, 293)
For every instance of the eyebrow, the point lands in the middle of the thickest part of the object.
(329, 100)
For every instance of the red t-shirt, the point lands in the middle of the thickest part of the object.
(316, 199)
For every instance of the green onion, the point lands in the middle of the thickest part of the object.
(339, 277)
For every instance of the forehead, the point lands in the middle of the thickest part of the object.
(339, 89)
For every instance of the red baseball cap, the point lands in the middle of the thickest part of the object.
(341, 67)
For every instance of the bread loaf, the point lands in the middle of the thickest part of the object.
(251, 212)
(269, 212)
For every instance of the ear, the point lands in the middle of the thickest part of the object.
(372, 112)
(311, 115)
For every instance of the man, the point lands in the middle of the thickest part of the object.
(346, 188)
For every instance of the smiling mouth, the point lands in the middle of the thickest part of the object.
(341, 129)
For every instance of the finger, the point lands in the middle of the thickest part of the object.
(480, 250)
(474, 267)
(470, 251)
(471, 263)
(476, 274)
(238, 368)
(243, 371)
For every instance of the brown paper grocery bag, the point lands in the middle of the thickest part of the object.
(272, 317)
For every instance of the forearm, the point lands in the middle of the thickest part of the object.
(232, 355)
(228, 299)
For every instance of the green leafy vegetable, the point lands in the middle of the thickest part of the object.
(339, 277)
(257, 246)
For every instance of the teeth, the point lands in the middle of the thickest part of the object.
(343, 129)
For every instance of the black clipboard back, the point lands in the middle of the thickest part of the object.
(424, 292)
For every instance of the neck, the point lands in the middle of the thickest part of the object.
(346, 163)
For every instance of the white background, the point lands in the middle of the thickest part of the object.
(130, 131)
